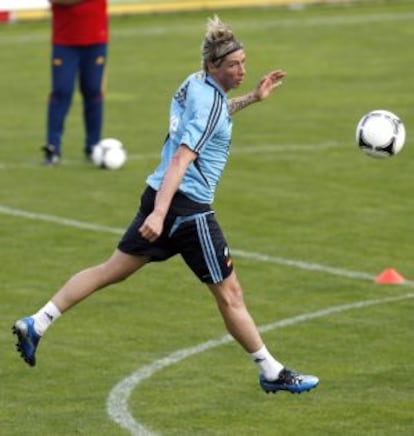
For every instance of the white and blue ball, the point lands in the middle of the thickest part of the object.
(380, 134)
(109, 154)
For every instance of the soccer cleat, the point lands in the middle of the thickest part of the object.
(51, 157)
(289, 381)
(27, 339)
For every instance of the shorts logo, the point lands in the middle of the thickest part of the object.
(100, 60)
(57, 62)
(227, 256)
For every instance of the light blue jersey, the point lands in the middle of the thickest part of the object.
(200, 119)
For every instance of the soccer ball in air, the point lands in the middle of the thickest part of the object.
(380, 133)
(109, 153)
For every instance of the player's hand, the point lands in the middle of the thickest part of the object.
(151, 228)
(268, 83)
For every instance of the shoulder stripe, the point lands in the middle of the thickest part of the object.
(212, 120)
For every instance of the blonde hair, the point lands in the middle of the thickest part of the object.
(219, 41)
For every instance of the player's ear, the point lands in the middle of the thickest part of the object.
(211, 67)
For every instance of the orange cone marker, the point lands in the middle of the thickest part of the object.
(390, 277)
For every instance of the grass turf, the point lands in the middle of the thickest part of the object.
(306, 193)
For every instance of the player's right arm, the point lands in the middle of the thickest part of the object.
(153, 225)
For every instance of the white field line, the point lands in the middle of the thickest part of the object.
(235, 151)
(304, 265)
(300, 264)
(117, 402)
(82, 225)
(254, 149)
(263, 24)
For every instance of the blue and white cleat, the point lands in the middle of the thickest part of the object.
(289, 381)
(27, 339)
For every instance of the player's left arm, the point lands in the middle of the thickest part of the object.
(264, 88)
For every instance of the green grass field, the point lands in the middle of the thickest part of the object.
(310, 219)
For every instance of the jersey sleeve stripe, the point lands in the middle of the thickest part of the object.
(212, 120)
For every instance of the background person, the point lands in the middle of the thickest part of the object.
(175, 215)
(79, 51)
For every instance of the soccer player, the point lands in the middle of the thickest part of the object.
(79, 50)
(176, 215)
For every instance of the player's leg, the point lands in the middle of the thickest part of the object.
(229, 297)
(64, 67)
(239, 323)
(133, 253)
(117, 268)
(204, 248)
(30, 329)
(273, 375)
(91, 76)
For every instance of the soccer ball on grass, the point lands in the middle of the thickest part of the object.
(109, 153)
(380, 133)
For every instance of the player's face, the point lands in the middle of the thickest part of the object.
(230, 73)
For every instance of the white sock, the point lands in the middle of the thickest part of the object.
(267, 364)
(45, 317)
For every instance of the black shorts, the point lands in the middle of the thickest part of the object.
(190, 229)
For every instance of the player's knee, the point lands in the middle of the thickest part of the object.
(60, 95)
(92, 95)
(231, 296)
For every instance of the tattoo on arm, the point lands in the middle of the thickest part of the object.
(238, 103)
